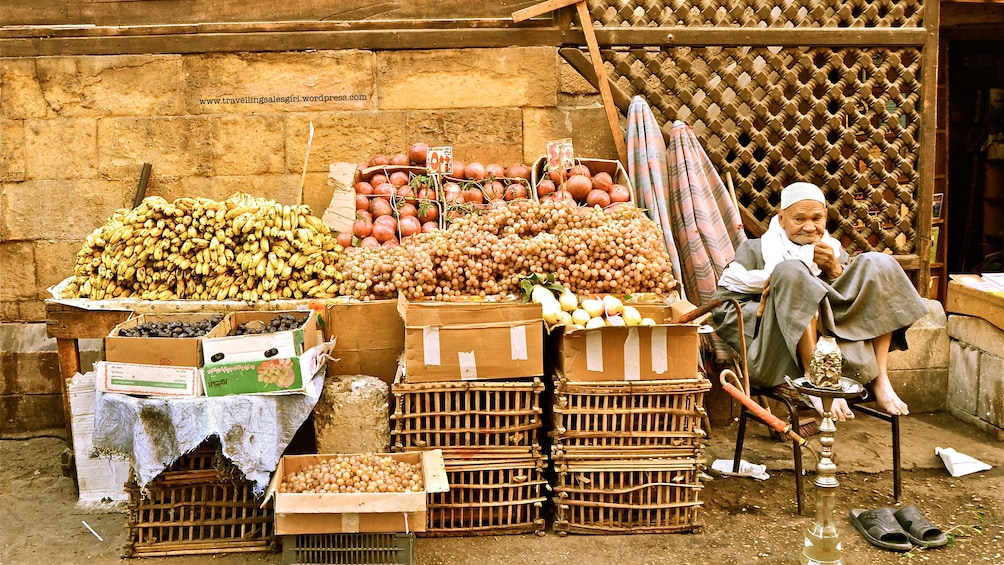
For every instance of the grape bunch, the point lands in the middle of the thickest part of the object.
(175, 328)
(355, 474)
(280, 323)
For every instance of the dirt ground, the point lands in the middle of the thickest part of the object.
(745, 520)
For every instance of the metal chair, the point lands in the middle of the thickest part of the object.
(785, 399)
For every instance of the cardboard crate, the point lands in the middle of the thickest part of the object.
(368, 336)
(348, 549)
(303, 513)
(153, 366)
(489, 497)
(655, 496)
(612, 167)
(630, 419)
(636, 353)
(278, 362)
(468, 419)
(972, 295)
(470, 341)
(201, 504)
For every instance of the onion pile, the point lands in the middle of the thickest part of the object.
(354, 474)
(590, 250)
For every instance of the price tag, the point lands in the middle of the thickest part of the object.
(559, 154)
(440, 159)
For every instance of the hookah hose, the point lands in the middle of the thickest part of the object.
(779, 425)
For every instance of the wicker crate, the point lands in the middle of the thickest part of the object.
(202, 504)
(467, 418)
(627, 496)
(665, 416)
(489, 498)
(349, 549)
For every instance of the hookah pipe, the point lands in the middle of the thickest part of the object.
(779, 425)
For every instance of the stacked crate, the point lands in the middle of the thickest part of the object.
(489, 432)
(202, 504)
(627, 455)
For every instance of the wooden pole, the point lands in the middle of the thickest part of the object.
(613, 115)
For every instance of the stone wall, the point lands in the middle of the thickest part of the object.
(75, 132)
(976, 374)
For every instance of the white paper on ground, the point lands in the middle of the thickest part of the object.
(746, 469)
(959, 464)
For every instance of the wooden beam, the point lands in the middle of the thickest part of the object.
(540, 9)
(928, 135)
(613, 116)
(759, 37)
(580, 62)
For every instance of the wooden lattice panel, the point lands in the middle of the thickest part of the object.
(847, 119)
(758, 13)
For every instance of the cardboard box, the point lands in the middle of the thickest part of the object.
(611, 167)
(149, 380)
(977, 296)
(470, 341)
(301, 513)
(278, 362)
(368, 336)
(169, 351)
(638, 353)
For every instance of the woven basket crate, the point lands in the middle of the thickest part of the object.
(629, 416)
(489, 498)
(202, 504)
(348, 549)
(468, 418)
(627, 496)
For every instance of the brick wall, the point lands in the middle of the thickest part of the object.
(75, 132)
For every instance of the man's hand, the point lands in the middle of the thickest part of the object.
(763, 298)
(823, 256)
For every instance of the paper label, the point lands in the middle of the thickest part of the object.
(594, 351)
(559, 154)
(430, 341)
(632, 353)
(350, 523)
(440, 159)
(660, 356)
(517, 343)
(468, 366)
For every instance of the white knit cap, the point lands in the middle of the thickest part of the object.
(798, 191)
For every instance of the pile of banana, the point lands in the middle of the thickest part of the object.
(243, 248)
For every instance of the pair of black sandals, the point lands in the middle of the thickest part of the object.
(897, 530)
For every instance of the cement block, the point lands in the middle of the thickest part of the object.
(58, 210)
(31, 412)
(352, 415)
(11, 150)
(928, 341)
(977, 332)
(922, 389)
(30, 363)
(963, 377)
(352, 137)
(30, 311)
(22, 91)
(112, 85)
(77, 156)
(248, 145)
(571, 82)
(255, 83)
(512, 77)
(17, 263)
(175, 146)
(489, 135)
(990, 403)
(54, 261)
(586, 126)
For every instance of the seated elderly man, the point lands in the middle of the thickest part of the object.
(796, 282)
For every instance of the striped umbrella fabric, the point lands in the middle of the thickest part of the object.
(706, 225)
(649, 174)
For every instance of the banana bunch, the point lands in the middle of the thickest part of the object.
(243, 248)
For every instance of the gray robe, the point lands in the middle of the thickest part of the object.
(872, 297)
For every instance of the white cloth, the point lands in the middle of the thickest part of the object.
(153, 433)
(777, 247)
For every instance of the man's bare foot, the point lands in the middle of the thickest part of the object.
(840, 411)
(887, 397)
